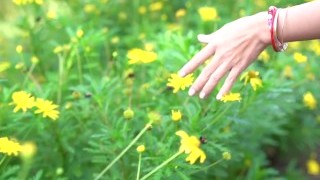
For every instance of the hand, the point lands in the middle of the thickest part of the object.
(233, 47)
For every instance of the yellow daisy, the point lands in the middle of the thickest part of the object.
(191, 145)
(177, 82)
(22, 100)
(47, 108)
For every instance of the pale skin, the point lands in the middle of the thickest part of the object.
(237, 44)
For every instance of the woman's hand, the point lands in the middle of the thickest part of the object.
(233, 47)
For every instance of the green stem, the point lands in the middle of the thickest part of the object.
(61, 69)
(217, 118)
(79, 66)
(139, 167)
(123, 152)
(161, 165)
(209, 166)
(2, 160)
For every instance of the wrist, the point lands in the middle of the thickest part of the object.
(261, 28)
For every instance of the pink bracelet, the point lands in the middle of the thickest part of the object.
(273, 14)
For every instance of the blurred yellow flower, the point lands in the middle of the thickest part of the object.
(39, 2)
(19, 49)
(287, 72)
(295, 45)
(28, 150)
(20, 65)
(22, 100)
(231, 97)
(122, 15)
(208, 13)
(180, 13)
(309, 101)
(128, 113)
(264, 56)
(154, 117)
(47, 108)
(9, 147)
(115, 40)
(79, 33)
(253, 78)
(4, 65)
(300, 58)
(156, 6)
(89, 8)
(226, 155)
(139, 56)
(313, 167)
(34, 60)
(315, 47)
(141, 148)
(177, 82)
(191, 145)
(176, 115)
(51, 14)
(149, 46)
(142, 10)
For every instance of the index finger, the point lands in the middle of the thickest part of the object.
(198, 59)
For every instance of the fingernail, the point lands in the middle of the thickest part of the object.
(218, 97)
(181, 73)
(202, 95)
(191, 92)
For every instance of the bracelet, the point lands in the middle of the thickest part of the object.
(273, 14)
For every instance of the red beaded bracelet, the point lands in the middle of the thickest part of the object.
(273, 14)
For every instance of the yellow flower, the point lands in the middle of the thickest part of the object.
(22, 100)
(231, 97)
(309, 101)
(149, 46)
(191, 145)
(156, 6)
(141, 148)
(287, 72)
(208, 13)
(28, 150)
(34, 60)
(253, 78)
(177, 82)
(226, 155)
(9, 147)
(180, 13)
(315, 47)
(154, 117)
(115, 40)
(176, 115)
(295, 45)
(300, 58)
(313, 167)
(39, 2)
(128, 113)
(79, 33)
(139, 56)
(264, 56)
(89, 8)
(4, 66)
(51, 14)
(47, 108)
(19, 49)
(142, 10)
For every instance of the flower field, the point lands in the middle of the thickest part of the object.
(90, 90)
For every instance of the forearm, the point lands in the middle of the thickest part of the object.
(302, 22)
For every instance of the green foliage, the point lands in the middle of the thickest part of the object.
(89, 77)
